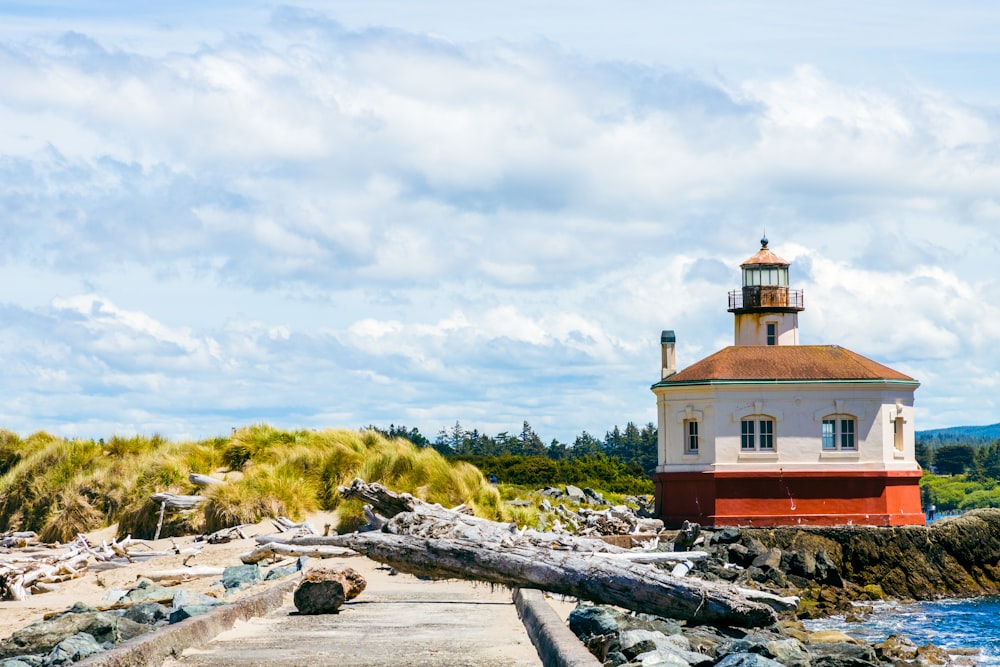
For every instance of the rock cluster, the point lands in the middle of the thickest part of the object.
(619, 638)
(82, 630)
(807, 563)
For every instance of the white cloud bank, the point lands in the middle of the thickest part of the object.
(315, 225)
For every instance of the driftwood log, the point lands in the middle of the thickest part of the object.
(275, 550)
(428, 540)
(635, 586)
(203, 480)
(173, 501)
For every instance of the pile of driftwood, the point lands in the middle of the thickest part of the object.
(30, 567)
(429, 540)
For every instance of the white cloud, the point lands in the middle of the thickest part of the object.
(303, 221)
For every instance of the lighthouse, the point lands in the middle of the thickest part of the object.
(768, 432)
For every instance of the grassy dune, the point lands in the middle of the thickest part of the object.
(60, 487)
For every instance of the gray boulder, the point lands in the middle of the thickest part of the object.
(147, 613)
(769, 560)
(639, 644)
(188, 603)
(660, 659)
(843, 654)
(146, 592)
(24, 661)
(127, 629)
(706, 639)
(72, 649)
(747, 660)
(576, 494)
(896, 647)
(590, 621)
(636, 621)
(43, 636)
(827, 571)
(789, 652)
(238, 576)
(729, 535)
(280, 572)
(189, 610)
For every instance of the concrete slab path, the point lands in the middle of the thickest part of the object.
(398, 620)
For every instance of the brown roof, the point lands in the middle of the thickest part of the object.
(765, 256)
(786, 362)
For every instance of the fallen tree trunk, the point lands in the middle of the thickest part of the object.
(634, 586)
(428, 540)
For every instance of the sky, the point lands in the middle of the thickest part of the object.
(336, 214)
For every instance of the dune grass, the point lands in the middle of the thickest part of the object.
(60, 487)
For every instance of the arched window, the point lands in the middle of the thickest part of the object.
(757, 434)
(840, 432)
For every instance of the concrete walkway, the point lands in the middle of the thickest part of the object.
(397, 620)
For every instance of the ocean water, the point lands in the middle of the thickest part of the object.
(972, 623)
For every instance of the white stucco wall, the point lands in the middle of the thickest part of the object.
(751, 328)
(798, 411)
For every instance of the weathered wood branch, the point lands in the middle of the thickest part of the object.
(273, 549)
(185, 573)
(635, 586)
(385, 502)
(203, 480)
(175, 501)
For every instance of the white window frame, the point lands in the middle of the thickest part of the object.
(692, 439)
(757, 434)
(839, 433)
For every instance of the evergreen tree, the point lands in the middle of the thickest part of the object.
(531, 444)
(557, 450)
(954, 459)
(924, 454)
(585, 445)
(613, 443)
(649, 457)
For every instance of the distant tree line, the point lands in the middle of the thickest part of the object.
(632, 445)
(980, 462)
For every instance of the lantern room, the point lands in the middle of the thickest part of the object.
(766, 310)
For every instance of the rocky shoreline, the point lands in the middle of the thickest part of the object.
(833, 570)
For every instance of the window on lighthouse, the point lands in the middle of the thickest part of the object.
(691, 436)
(757, 434)
(839, 432)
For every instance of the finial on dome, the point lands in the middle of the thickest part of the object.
(763, 242)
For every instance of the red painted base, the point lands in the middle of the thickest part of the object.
(875, 498)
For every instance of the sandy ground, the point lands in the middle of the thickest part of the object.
(95, 588)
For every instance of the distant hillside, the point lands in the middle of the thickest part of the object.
(971, 435)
